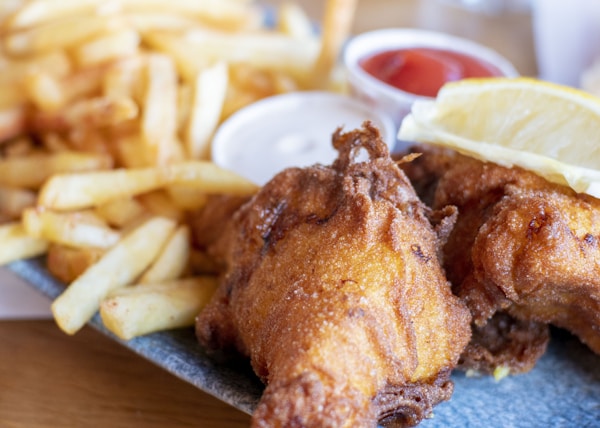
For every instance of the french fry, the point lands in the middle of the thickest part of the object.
(91, 112)
(123, 79)
(210, 90)
(8, 8)
(83, 190)
(20, 146)
(56, 63)
(75, 229)
(12, 95)
(159, 117)
(172, 260)
(67, 263)
(116, 268)
(59, 34)
(159, 203)
(14, 200)
(17, 244)
(120, 212)
(156, 21)
(54, 142)
(36, 12)
(266, 50)
(128, 149)
(13, 122)
(337, 22)
(293, 21)
(82, 83)
(143, 309)
(32, 171)
(188, 65)
(110, 47)
(228, 14)
(45, 91)
(187, 199)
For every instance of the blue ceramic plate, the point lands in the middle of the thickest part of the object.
(563, 390)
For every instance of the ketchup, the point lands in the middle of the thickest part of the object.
(423, 71)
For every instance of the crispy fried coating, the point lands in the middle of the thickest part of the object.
(521, 245)
(334, 290)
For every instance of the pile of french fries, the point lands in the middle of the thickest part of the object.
(107, 110)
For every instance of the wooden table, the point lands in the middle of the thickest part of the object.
(48, 379)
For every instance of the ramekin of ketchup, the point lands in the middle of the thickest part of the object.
(390, 68)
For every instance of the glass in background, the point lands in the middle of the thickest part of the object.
(567, 38)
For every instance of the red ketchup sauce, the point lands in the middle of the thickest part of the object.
(423, 71)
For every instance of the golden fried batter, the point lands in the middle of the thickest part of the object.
(334, 291)
(521, 245)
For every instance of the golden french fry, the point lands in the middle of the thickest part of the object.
(82, 190)
(75, 191)
(84, 83)
(56, 63)
(54, 142)
(8, 8)
(91, 112)
(12, 95)
(123, 79)
(17, 244)
(36, 12)
(59, 34)
(20, 146)
(156, 21)
(187, 199)
(226, 14)
(188, 65)
(159, 203)
(109, 47)
(337, 24)
(75, 229)
(121, 212)
(45, 91)
(13, 122)
(267, 49)
(143, 309)
(67, 263)
(159, 112)
(32, 171)
(185, 97)
(293, 21)
(116, 268)
(128, 148)
(173, 259)
(210, 90)
(13, 201)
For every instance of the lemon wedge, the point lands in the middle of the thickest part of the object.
(549, 129)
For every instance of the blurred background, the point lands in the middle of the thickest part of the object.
(556, 40)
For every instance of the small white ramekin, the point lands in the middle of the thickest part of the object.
(395, 102)
(288, 130)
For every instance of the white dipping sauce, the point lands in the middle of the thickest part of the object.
(289, 130)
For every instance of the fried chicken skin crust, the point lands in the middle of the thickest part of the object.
(334, 290)
(521, 245)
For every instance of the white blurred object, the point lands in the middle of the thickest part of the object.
(18, 300)
(567, 38)
(590, 79)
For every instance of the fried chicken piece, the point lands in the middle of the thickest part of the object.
(521, 245)
(335, 292)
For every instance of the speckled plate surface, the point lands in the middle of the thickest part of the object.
(562, 391)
